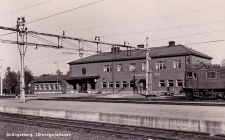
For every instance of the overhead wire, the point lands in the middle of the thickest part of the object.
(26, 8)
(65, 11)
(150, 18)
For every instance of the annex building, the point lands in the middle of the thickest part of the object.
(49, 84)
(125, 71)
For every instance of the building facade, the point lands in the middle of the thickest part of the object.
(125, 71)
(49, 84)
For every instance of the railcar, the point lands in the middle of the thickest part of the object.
(205, 83)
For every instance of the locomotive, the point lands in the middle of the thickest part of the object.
(206, 82)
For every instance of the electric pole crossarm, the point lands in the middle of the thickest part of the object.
(79, 39)
(8, 28)
(30, 44)
(66, 37)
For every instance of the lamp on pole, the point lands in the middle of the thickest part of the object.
(57, 78)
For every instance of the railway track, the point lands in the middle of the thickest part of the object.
(111, 129)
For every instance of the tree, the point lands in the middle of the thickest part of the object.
(58, 72)
(223, 62)
(28, 77)
(11, 81)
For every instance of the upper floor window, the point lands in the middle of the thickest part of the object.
(160, 65)
(132, 67)
(211, 74)
(107, 68)
(143, 66)
(191, 75)
(177, 64)
(120, 67)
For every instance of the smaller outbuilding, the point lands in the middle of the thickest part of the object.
(49, 84)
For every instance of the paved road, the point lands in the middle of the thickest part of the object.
(212, 113)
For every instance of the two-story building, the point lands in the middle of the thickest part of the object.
(125, 71)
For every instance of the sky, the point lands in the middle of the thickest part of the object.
(198, 24)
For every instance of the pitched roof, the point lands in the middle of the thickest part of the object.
(156, 52)
(50, 78)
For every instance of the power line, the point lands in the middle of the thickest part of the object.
(149, 18)
(7, 34)
(65, 11)
(155, 30)
(25, 8)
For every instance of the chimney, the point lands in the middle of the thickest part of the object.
(141, 46)
(115, 49)
(171, 43)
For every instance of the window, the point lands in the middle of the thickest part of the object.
(117, 84)
(161, 83)
(143, 66)
(36, 87)
(103, 84)
(211, 74)
(41, 87)
(107, 68)
(220, 74)
(120, 67)
(124, 84)
(132, 67)
(160, 65)
(131, 83)
(45, 87)
(83, 71)
(189, 75)
(110, 84)
(170, 83)
(50, 87)
(177, 64)
(179, 83)
(60, 86)
(195, 75)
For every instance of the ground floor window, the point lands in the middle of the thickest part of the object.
(103, 84)
(117, 84)
(40, 87)
(124, 84)
(92, 85)
(179, 83)
(170, 83)
(161, 83)
(36, 87)
(110, 84)
(131, 83)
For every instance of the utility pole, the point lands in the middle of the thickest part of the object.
(57, 77)
(21, 32)
(148, 70)
(1, 78)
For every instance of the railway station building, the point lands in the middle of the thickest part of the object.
(124, 71)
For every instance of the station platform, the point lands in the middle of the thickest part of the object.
(207, 119)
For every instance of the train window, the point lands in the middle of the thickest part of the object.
(211, 74)
(189, 75)
(195, 76)
(170, 83)
(161, 83)
(179, 83)
(219, 74)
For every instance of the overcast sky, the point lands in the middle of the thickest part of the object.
(186, 22)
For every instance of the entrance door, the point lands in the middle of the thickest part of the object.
(83, 88)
